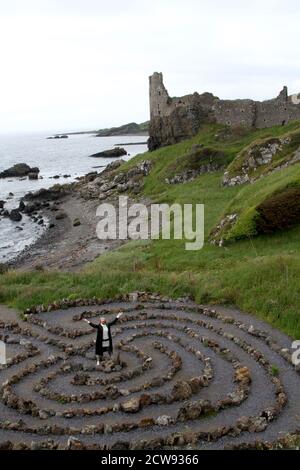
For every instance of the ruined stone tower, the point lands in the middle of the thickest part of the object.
(174, 119)
(159, 96)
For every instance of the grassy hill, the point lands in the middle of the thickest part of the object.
(126, 129)
(257, 272)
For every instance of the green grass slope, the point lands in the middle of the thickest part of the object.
(257, 274)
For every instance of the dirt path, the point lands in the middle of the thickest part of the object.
(189, 376)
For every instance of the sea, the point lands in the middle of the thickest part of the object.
(54, 157)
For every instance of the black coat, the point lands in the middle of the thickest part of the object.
(99, 346)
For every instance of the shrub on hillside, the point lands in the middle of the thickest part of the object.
(279, 212)
(199, 156)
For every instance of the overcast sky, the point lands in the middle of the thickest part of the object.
(84, 64)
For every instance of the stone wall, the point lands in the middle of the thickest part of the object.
(235, 112)
(174, 119)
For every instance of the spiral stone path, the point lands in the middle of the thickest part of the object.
(182, 376)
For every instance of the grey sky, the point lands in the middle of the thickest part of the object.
(82, 64)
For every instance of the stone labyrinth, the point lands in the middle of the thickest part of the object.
(182, 376)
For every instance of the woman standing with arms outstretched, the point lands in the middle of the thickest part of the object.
(104, 339)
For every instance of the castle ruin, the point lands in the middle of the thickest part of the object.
(174, 119)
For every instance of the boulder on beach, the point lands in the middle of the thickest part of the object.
(18, 170)
(15, 215)
(113, 153)
(51, 194)
(21, 206)
(31, 208)
(33, 176)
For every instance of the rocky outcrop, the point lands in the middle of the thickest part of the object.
(19, 170)
(217, 234)
(110, 182)
(184, 177)
(113, 153)
(198, 161)
(248, 161)
(52, 194)
(235, 180)
(261, 158)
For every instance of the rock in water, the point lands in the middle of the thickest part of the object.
(18, 170)
(58, 137)
(32, 176)
(113, 153)
(21, 206)
(15, 215)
